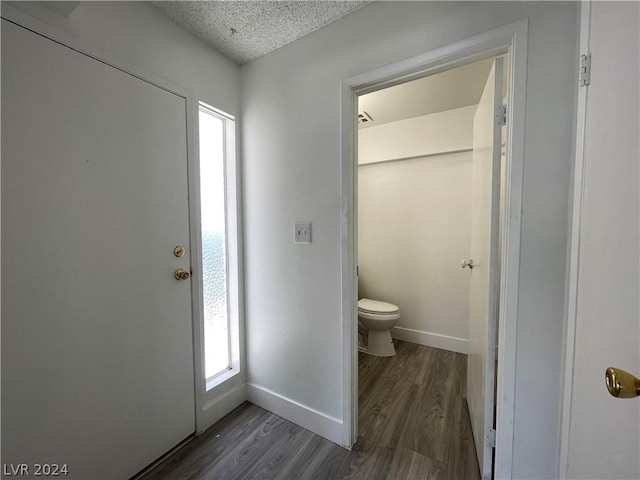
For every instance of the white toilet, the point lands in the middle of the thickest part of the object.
(377, 318)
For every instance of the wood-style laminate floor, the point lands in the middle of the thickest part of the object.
(413, 424)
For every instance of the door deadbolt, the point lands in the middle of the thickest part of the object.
(179, 251)
(181, 274)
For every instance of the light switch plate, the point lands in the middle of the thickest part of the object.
(302, 233)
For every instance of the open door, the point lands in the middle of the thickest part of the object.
(602, 433)
(483, 298)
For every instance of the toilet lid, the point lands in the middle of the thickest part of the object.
(375, 306)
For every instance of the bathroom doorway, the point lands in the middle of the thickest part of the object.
(509, 39)
(429, 203)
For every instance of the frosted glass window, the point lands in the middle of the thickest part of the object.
(214, 244)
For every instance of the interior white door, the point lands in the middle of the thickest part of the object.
(97, 353)
(604, 432)
(483, 298)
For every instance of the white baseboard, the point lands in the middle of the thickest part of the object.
(444, 342)
(221, 406)
(313, 420)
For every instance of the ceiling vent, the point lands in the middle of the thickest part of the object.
(364, 117)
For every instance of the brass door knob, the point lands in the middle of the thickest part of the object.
(621, 384)
(181, 274)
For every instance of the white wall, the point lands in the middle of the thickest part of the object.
(291, 149)
(414, 223)
(448, 131)
(414, 227)
(140, 35)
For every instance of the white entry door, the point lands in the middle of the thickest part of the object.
(97, 353)
(483, 299)
(603, 435)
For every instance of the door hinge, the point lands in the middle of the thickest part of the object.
(491, 437)
(502, 115)
(584, 77)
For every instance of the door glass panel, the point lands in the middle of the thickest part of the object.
(214, 254)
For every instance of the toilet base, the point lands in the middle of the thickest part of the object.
(379, 343)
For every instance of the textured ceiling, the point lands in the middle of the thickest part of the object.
(246, 30)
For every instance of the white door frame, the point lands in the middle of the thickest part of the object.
(204, 414)
(574, 249)
(511, 39)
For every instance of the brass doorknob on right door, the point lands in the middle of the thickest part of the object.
(621, 384)
(181, 274)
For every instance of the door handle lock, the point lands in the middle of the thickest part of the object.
(621, 384)
(467, 263)
(181, 274)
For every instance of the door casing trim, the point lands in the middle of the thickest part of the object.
(571, 306)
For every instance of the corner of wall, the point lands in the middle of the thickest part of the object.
(217, 408)
(313, 420)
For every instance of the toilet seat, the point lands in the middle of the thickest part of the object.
(378, 316)
(376, 307)
(377, 310)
